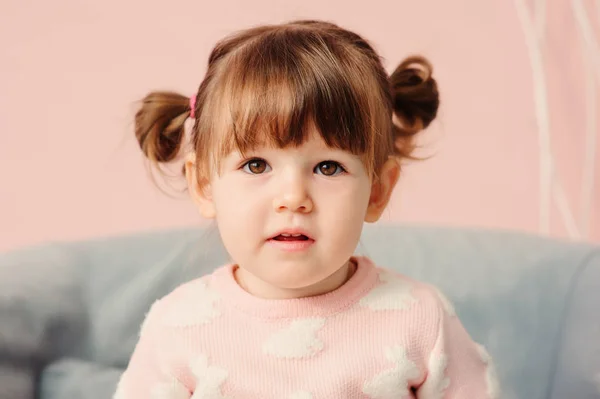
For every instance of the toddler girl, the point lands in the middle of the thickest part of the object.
(297, 140)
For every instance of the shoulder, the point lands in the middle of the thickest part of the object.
(192, 303)
(395, 291)
(411, 310)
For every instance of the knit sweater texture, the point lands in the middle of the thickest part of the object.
(380, 335)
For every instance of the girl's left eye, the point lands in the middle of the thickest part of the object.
(329, 168)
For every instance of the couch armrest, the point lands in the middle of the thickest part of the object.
(16, 382)
(74, 378)
(577, 372)
(41, 308)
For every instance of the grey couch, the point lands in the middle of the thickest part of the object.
(70, 312)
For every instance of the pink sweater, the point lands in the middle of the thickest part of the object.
(380, 335)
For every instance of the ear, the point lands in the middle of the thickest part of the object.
(199, 191)
(381, 190)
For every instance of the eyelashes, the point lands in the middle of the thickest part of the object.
(259, 166)
(330, 168)
(256, 166)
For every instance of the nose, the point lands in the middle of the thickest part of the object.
(293, 196)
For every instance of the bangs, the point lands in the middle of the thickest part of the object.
(278, 89)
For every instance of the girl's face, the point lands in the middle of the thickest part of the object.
(291, 218)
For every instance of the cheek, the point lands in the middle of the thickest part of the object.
(237, 205)
(343, 214)
(236, 219)
(345, 205)
(350, 195)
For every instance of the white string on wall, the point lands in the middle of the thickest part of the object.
(592, 62)
(551, 190)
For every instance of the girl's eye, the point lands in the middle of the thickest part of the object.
(256, 166)
(329, 168)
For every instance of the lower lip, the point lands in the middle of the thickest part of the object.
(292, 246)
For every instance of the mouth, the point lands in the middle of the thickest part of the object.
(290, 237)
(291, 241)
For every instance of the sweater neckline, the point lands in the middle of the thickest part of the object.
(233, 295)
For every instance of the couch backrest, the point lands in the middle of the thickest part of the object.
(514, 293)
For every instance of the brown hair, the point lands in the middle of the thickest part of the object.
(274, 83)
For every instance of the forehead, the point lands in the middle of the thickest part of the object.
(312, 142)
(244, 126)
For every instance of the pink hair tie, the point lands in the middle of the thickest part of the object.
(193, 106)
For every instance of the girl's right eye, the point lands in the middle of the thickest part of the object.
(256, 166)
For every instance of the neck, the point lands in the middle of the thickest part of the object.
(264, 290)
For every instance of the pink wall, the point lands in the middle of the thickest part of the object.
(71, 71)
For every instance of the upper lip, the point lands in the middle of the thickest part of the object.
(292, 231)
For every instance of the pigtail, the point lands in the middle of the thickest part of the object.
(159, 125)
(415, 100)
